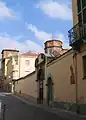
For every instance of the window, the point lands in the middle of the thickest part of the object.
(45, 50)
(81, 11)
(17, 81)
(72, 79)
(16, 60)
(15, 73)
(83, 3)
(84, 15)
(79, 5)
(42, 56)
(27, 62)
(84, 66)
(80, 17)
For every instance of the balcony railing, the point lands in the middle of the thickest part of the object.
(77, 33)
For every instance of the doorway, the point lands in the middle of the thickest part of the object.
(40, 82)
(49, 90)
(41, 91)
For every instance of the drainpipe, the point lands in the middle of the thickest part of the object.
(76, 82)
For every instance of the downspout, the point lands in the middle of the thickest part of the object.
(76, 82)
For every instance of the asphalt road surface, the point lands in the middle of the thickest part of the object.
(17, 110)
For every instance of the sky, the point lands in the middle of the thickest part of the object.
(26, 24)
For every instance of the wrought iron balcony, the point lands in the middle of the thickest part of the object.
(77, 34)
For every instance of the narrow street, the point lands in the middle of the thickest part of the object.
(17, 110)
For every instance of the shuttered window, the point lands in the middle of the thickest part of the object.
(81, 8)
(79, 5)
(83, 3)
(84, 66)
(84, 16)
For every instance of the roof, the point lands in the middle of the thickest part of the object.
(61, 52)
(9, 50)
(65, 53)
(30, 54)
(53, 40)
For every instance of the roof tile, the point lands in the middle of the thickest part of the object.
(30, 54)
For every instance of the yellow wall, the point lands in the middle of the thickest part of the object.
(60, 71)
(81, 81)
(27, 85)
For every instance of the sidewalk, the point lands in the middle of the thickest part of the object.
(62, 113)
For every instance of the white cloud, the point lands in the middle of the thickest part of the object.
(39, 34)
(61, 37)
(9, 42)
(64, 39)
(44, 36)
(56, 10)
(6, 12)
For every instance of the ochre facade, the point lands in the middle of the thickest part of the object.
(60, 70)
(27, 86)
(61, 74)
